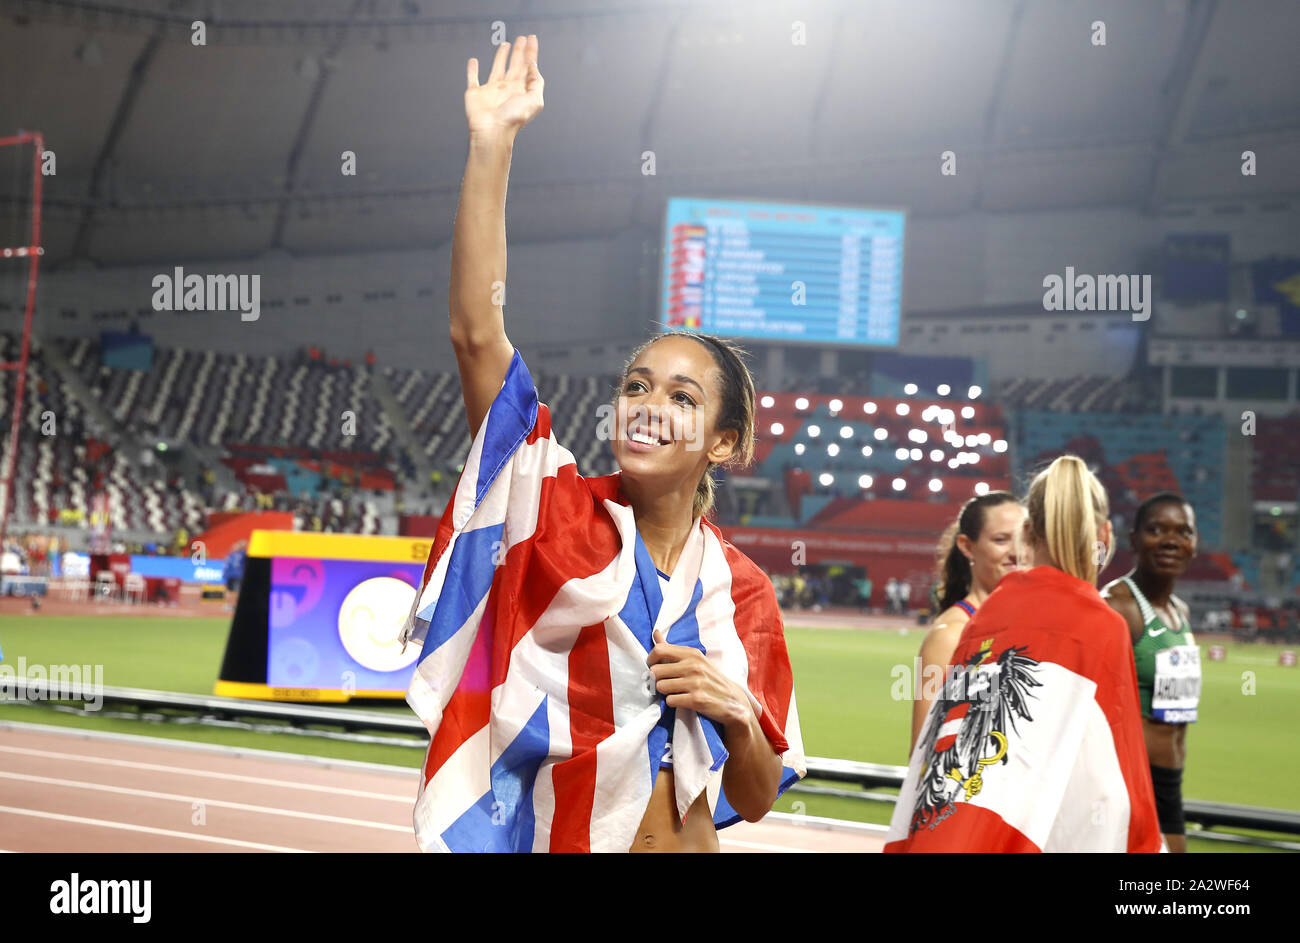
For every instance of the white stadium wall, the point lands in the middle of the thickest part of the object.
(576, 305)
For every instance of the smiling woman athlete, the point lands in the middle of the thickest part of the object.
(624, 682)
(976, 551)
(1168, 661)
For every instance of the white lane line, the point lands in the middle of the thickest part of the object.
(148, 830)
(408, 798)
(191, 746)
(215, 803)
(763, 846)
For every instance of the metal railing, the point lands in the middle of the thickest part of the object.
(300, 718)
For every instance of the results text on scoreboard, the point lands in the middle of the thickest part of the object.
(776, 271)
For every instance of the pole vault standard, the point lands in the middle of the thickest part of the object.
(32, 252)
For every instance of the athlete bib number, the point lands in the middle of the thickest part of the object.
(1177, 688)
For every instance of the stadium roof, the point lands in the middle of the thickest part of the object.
(170, 151)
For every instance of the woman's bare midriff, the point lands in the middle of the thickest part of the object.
(1166, 743)
(661, 831)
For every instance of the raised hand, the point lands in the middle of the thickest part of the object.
(511, 97)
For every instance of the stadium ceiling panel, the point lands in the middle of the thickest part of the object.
(244, 137)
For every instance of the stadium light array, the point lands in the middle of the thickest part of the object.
(832, 450)
(776, 428)
(944, 389)
(936, 455)
(981, 487)
(968, 412)
(899, 484)
(866, 451)
(798, 448)
(846, 432)
(880, 435)
(864, 481)
(1000, 445)
(801, 403)
(869, 408)
(767, 402)
(836, 405)
(910, 389)
(936, 485)
(974, 392)
(902, 409)
(826, 479)
(814, 431)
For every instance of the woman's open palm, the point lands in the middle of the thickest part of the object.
(512, 96)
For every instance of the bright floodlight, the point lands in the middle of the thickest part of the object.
(836, 405)
(767, 402)
(974, 392)
(900, 454)
(866, 451)
(953, 463)
(936, 484)
(899, 484)
(972, 440)
(798, 448)
(832, 450)
(944, 389)
(947, 417)
(928, 413)
(777, 428)
(801, 403)
(1000, 445)
(902, 409)
(916, 455)
(916, 435)
(864, 481)
(846, 432)
(869, 408)
(936, 455)
(880, 435)
(826, 479)
(910, 389)
(984, 438)
(967, 412)
(981, 487)
(814, 431)
(974, 458)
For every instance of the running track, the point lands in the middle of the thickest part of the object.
(69, 790)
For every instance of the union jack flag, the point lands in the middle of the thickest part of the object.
(536, 612)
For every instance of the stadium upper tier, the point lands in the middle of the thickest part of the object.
(1276, 472)
(1136, 454)
(1072, 394)
(822, 453)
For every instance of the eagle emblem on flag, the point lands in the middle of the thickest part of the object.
(967, 728)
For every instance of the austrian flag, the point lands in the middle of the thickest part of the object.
(1035, 742)
(536, 613)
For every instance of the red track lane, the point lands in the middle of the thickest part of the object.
(64, 790)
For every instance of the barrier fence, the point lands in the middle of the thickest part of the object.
(367, 726)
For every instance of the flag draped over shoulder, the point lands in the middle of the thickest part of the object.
(536, 611)
(1035, 742)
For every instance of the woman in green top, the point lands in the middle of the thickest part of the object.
(1168, 661)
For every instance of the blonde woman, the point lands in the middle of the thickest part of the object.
(1035, 743)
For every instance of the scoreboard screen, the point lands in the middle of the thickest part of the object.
(783, 272)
